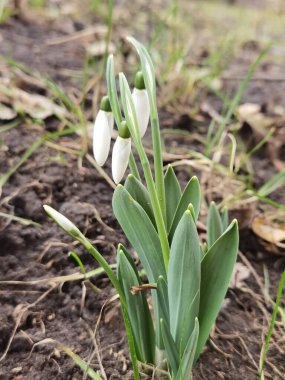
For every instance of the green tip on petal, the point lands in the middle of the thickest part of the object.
(139, 81)
(105, 104)
(124, 132)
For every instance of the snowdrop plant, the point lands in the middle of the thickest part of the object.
(169, 312)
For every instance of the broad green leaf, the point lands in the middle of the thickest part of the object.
(216, 271)
(191, 194)
(214, 224)
(172, 195)
(185, 368)
(142, 235)
(140, 194)
(140, 232)
(138, 310)
(184, 274)
(162, 296)
(170, 347)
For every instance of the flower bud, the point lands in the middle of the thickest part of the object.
(63, 222)
(141, 104)
(120, 157)
(102, 132)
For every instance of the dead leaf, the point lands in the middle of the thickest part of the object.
(270, 228)
(98, 48)
(240, 274)
(37, 106)
(7, 113)
(251, 114)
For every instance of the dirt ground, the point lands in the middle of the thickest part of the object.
(34, 312)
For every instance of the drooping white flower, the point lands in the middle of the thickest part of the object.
(120, 157)
(142, 108)
(102, 132)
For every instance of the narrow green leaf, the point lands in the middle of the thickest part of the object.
(81, 363)
(147, 69)
(140, 232)
(170, 347)
(216, 271)
(172, 195)
(184, 274)
(191, 194)
(273, 184)
(214, 224)
(112, 90)
(138, 310)
(225, 218)
(185, 368)
(140, 194)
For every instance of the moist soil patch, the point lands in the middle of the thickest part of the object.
(67, 313)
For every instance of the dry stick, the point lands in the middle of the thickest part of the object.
(18, 321)
(101, 171)
(252, 270)
(97, 352)
(77, 35)
(93, 334)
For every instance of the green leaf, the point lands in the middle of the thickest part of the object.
(147, 69)
(81, 363)
(214, 224)
(273, 184)
(172, 195)
(162, 296)
(140, 194)
(225, 218)
(170, 347)
(191, 194)
(140, 232)
(142, 235)
(138, 310)
(216, 271)
(184, 278)
(185, 368)
(112, 90)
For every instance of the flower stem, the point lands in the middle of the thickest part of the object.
(158, 162)
(161, 229)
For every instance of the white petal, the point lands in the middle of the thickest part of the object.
(120, 158)
(142, 108)
(102, 136)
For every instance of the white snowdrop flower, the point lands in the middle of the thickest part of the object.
(141, 103)
(102, 132)
(62, 221)
(120, 157)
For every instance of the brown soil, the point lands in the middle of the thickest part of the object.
(30, 253)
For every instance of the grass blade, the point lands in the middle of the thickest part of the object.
(271, 326)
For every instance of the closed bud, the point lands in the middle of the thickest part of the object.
(120, 158)
(63, 222)
(142, 108)
(102, 132)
